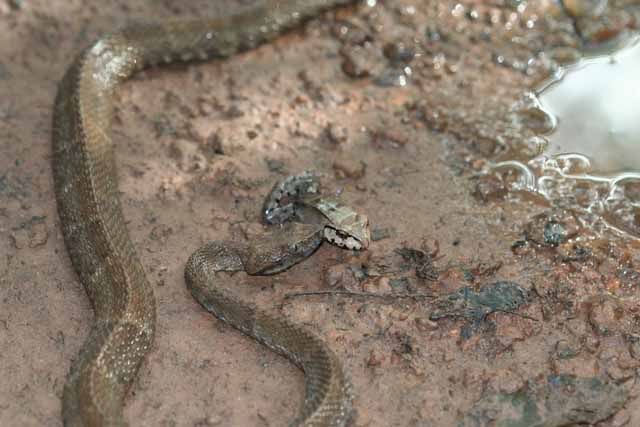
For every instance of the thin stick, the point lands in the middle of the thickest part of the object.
(358, 294)
(514, 313)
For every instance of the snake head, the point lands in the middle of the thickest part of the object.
(281, 249)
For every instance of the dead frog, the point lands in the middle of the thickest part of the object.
(297, 198)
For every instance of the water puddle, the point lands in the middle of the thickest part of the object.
(589, 141)
(595, 106)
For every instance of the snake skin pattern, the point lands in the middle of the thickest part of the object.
(94, 228)
(328, 399)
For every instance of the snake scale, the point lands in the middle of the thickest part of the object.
(99, 244)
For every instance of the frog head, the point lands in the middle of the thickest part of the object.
(343, 227)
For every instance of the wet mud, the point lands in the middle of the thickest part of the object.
(474, 305)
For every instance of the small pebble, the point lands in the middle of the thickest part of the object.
(20, 238)
(388, 139)
(359, 61)
(335, 134)
(38, 235)
(394, 76)
(489, 188)
(350, 34)
(348, 168)
(212, 145)
(399, 52)
(536, 120)
(554, 233)
(425, 325)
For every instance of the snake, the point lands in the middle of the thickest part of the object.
(329, 396)
(100, 247)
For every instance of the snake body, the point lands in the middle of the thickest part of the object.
(94, 228)
(328, 396)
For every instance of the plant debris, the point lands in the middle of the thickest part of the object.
(476, 306)
(562, 400)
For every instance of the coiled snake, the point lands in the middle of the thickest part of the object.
(101, 250)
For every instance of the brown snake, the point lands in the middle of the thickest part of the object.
(98, 242)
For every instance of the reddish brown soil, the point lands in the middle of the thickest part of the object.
(199, 146)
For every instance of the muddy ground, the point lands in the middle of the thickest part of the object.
(516, 315)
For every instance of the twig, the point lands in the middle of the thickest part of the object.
(358, 294)
(515, 313)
